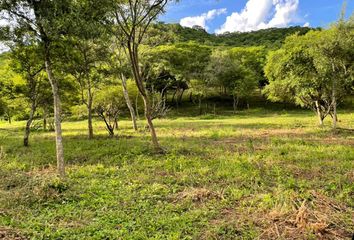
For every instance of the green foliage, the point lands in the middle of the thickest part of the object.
(186, 59)
(234, 71)
(270, 38)
(309, 68)
(109, 105)
(219, 178)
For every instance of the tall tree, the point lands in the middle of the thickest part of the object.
(229, 69)
(29, 65)
(132, 19)
(314, 70)
(85, 59)
(334, 51)
(121, 71)
(45, 22)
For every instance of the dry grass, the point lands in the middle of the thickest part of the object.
(10, 234)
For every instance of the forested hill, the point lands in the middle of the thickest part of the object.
(271, 38)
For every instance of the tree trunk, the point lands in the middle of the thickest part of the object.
(45, 119)
(334, 99)
(137, 106)
(181, 96)
(151, 125)
(177, 102)
(235, 104)
(128, 102)
(174, 95)
(319, 114)
(28, 125)
(89, 109)
(200, 105)
(116, 126)
(89, 118)
(133, 54)
(334, 109)
(8, 117)
(57, 118)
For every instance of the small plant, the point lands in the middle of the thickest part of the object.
(109, 114)
(2, 153)
(109, 103)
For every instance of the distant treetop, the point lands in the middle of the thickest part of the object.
(270, 38)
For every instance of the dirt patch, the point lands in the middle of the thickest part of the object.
(196, 195)
(318, 217)
(322, 217)
(10, 234)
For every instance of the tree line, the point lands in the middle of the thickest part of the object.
(106, 58)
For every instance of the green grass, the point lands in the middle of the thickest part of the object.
(257, 174)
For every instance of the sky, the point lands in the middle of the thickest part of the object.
(220, 16)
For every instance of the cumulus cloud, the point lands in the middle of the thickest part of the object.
(202, 19)
(261, 14)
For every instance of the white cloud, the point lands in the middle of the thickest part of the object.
(261, 14)
(202, 19)
(307, 24)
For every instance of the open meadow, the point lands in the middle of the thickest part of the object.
(171, 119)
(255, 175)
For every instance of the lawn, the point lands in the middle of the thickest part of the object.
(256, 174)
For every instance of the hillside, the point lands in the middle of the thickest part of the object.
(271, 38)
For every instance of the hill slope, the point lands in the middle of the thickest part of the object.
(271, 38)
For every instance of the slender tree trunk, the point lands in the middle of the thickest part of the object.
(191, 97)
(200, 105)
(235, 104)
(45, 119)
(177, 102)
(174, 95)
(28, 125)
(151, 125)
(128, 102)
(334, 99)
(137, 106)
(334, 108)
(89, 109)
(133, 54)
(116, 126)
(57, 118)
(8, 117)
(89, 118)
(319, 115)
(181, 96)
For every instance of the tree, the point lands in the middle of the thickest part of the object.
(334, 52)
(314, 70)
(10, 88)
(253, 58)
(45, 22)
(233, 73)
(132, 19)
(109, 105)
(85, 58)
(29, 65)
(120, 69)
(175, 66)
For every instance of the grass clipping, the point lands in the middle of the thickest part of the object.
(321, 217)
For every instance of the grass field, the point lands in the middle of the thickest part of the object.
(255, 175)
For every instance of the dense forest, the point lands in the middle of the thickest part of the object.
(117, 126)
(271, 38)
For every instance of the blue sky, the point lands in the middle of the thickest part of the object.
(246, 15)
